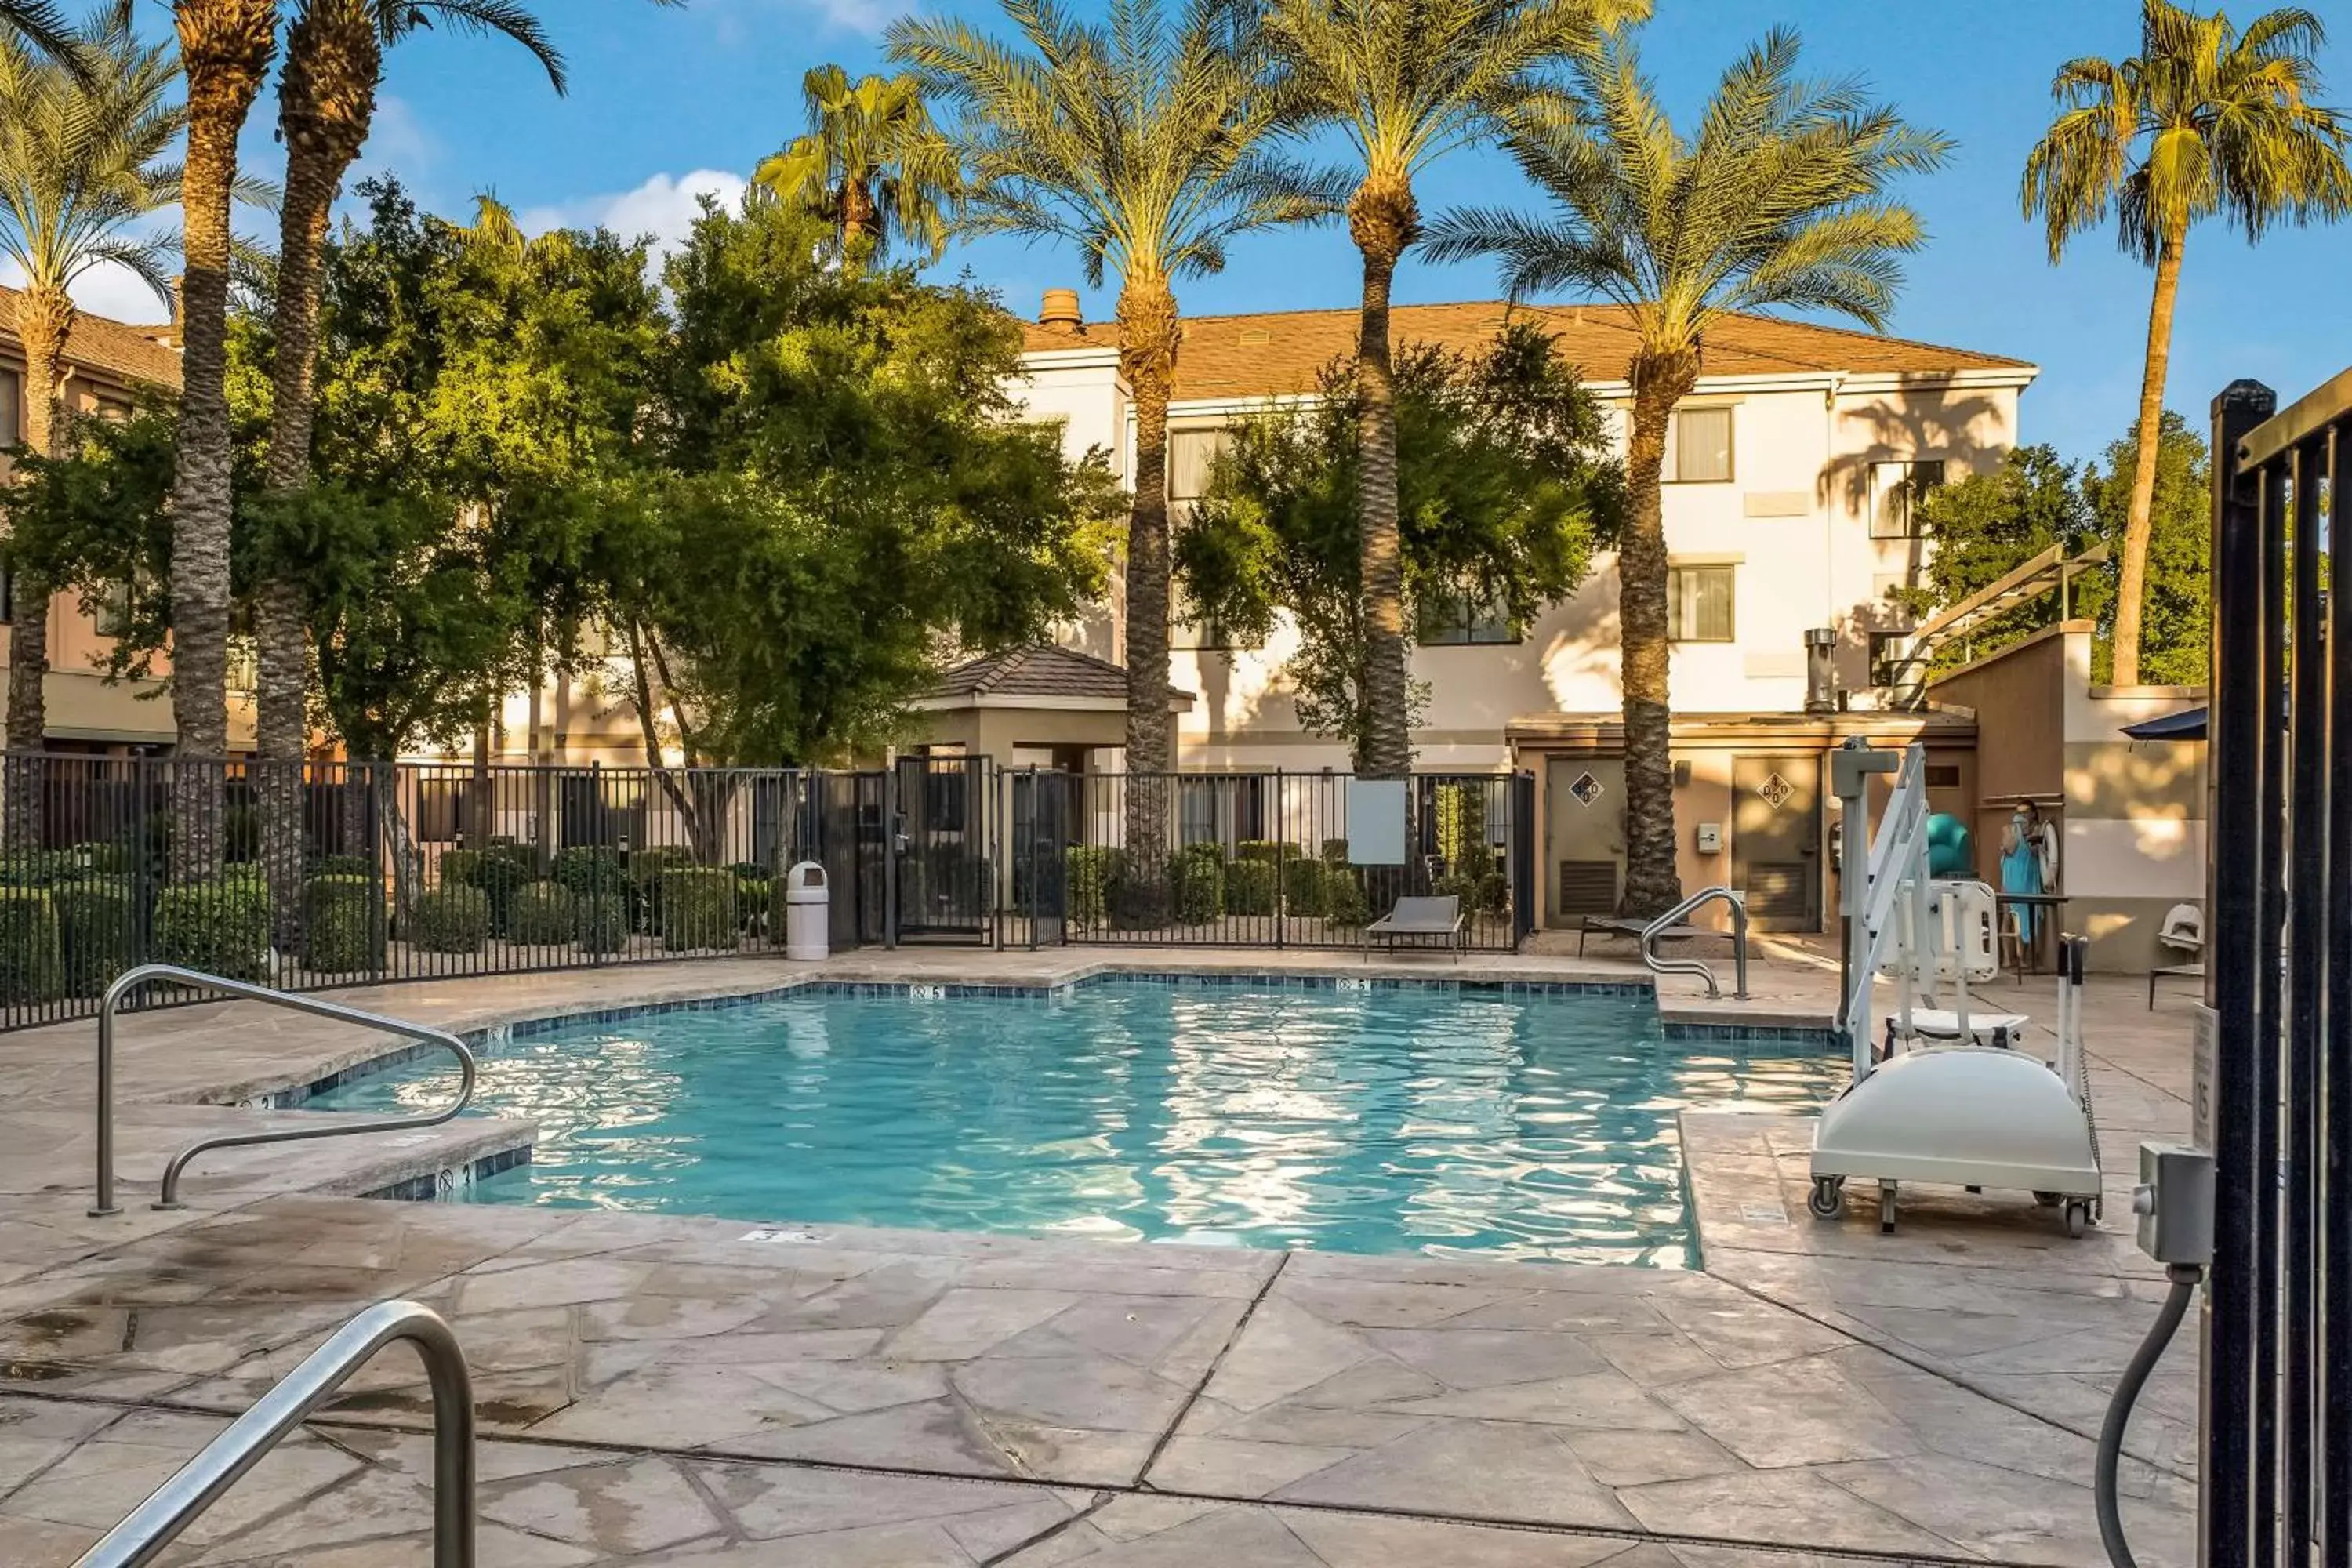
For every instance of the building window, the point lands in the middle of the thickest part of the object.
(1895, 492)
(439, 800)
(12, 408)
(1698, 602)
(1698, 447)
(1192, 453)
(112, 613)
(1226, 811)
(1455, 620)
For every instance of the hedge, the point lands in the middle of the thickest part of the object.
(343, 866)
(31, 967)
(542, 913)
(39, 868)
(1249, 887)
(497, 873)
(221, 928)
(1335, 851)
(1092, 868)
(1199, 875)
(1306, 888)
(647, 869)
(342, 924)
(452, 917)
(752, 901)
(587, 868)
(697, 908)
(1344, 903)
(601, 921)
(97, 932)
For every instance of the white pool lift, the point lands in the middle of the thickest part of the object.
(1955, 1095)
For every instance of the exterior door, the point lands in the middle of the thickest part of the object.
(1584, 837)
(1776, 840)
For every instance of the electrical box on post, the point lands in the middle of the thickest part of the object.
(2174, 1202)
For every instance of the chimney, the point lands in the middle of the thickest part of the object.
(1061, 309)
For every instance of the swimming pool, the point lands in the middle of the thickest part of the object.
(1452, 1121)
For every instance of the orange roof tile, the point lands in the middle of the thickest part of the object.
(115, 349)
(1280, 351)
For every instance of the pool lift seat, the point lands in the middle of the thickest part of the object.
(1953, 1097)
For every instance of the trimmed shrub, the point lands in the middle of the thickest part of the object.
(751, 900)
(601, 921)
(542, 913)
(697, 908)
(1344, 903)
(646, 867)
(1306, 888)
(342, 924)
(495, 871)
(97, 932)
(343, 866)
(1092, 868)
(750, 870)
(452, 917)
(32, 968)
(1199, 874)
(39, 868)
(221, 928)
(1335, 851)
(1249, 887)
(589, 868)
(1493, 894)
(105, 859)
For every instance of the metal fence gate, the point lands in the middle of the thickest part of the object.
(2274, 1097)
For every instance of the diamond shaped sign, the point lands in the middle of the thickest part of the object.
(1776, 791)
(1586, 789)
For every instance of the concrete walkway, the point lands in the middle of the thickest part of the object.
(659, 1389)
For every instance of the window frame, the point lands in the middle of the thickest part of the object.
(1219, 433)
(1912, 481)
(1460, 625)
(1674, 623)
(1670, 472)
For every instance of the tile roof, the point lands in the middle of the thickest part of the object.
(115, 349)
(1041, 671)
(1280, 351)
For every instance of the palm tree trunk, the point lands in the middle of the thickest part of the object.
(224, 49)
(1382, 218)
(1653, 883)
(861, 223)
(1148, 337)
(2132, 590)
(44, 320)
(326, 100)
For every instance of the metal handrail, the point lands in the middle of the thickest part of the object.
(171, 1507)
(1674, 917)
(132, 980)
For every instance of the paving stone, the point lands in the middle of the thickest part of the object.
(1797, 1507)
(616, 1509)
(1479, 1470)
(1791, 1414)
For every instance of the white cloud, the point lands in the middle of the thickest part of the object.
(398, 143)
(865, 17)
(663, 208)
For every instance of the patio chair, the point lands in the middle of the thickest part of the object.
(2183, 935)
(1420, 917)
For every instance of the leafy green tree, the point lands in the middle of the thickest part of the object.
(1985, 526)
(2175, 601)
(1781, 202)
(1144, 142)
(84, 154)
(2205, 120)
(871, 163)
(1405, 81)
(1503, 483)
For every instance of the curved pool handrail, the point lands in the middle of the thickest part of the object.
(1674, 917)
(132, 980)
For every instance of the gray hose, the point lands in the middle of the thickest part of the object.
(2184, 1277)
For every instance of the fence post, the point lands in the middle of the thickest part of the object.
(1281, 856)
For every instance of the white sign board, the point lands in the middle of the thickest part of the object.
(1376, 822)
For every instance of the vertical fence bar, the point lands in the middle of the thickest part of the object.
(2239, 729)
(2270, 1022)
(2333, 1480)
(2306, 891)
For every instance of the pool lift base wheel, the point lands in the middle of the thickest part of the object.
(1827, 1200)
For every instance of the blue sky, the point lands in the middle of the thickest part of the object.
(667, 102)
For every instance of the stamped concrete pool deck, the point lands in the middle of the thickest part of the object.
(659, 1389)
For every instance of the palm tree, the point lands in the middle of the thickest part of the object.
(872, 165)
(1778, 203)
(39, 23)
(82, 157)
(1143, 143)
(1407, 81)
(2204, 120)
(225, 47)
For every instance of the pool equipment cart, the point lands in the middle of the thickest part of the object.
(1950, 1099)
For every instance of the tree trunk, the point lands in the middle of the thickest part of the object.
(44, 320)
(224, 50)
(1148, 338)
(326, 99)
(2132, 590)
(1381, 219)
(1653, 883)
(861, 223)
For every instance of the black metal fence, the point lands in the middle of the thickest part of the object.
(2274, 1101)
(324, 874)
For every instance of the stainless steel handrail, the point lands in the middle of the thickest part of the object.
(1674, 917)
(171, 1507)
(132, 979)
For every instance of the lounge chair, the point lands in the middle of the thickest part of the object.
(1420, 917)
(1631, 927)
(2182, 938)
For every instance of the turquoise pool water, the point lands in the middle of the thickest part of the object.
(1457, 1122)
